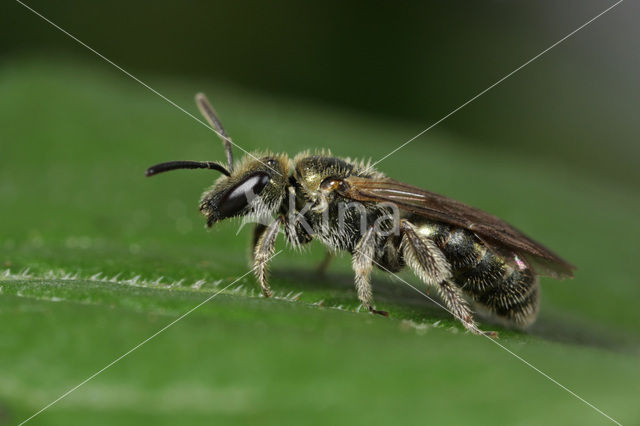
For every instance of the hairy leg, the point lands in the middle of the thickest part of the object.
(431, 266)
(258, 230)
(264, 248)
(362, 263)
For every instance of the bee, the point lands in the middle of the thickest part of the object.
(470, 257)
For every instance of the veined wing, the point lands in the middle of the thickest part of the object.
(490, 229)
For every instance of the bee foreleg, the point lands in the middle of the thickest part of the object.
(429, 263)
(264, 249)
(362, 263)
(258, 230)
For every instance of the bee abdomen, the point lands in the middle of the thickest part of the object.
(475, 267)
(507, 290)
(515, 297)
(458, 245)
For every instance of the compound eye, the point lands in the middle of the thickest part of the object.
(242, 193)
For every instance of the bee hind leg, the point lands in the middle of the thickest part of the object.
(429, 263)
(457, 305)
(362, 263)
(264, 247)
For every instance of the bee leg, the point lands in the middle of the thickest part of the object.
(322, 267)
(431, 266)
(362, 265)
(258, 230)
(457, 305)
(263, 251)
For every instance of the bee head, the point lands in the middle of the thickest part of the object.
(254, 191)
(253, 188)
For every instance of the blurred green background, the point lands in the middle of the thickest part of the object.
(95, 258)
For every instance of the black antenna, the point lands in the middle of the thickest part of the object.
(210, 114)
(173, 165)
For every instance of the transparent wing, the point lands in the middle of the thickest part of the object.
(491, 230)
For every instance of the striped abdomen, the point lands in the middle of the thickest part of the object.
(506, 286)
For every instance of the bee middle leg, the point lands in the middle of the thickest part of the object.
(322, 267)
(431, 266)
(264, 246)
(362, 263)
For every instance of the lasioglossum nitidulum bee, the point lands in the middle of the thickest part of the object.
(465, 253)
